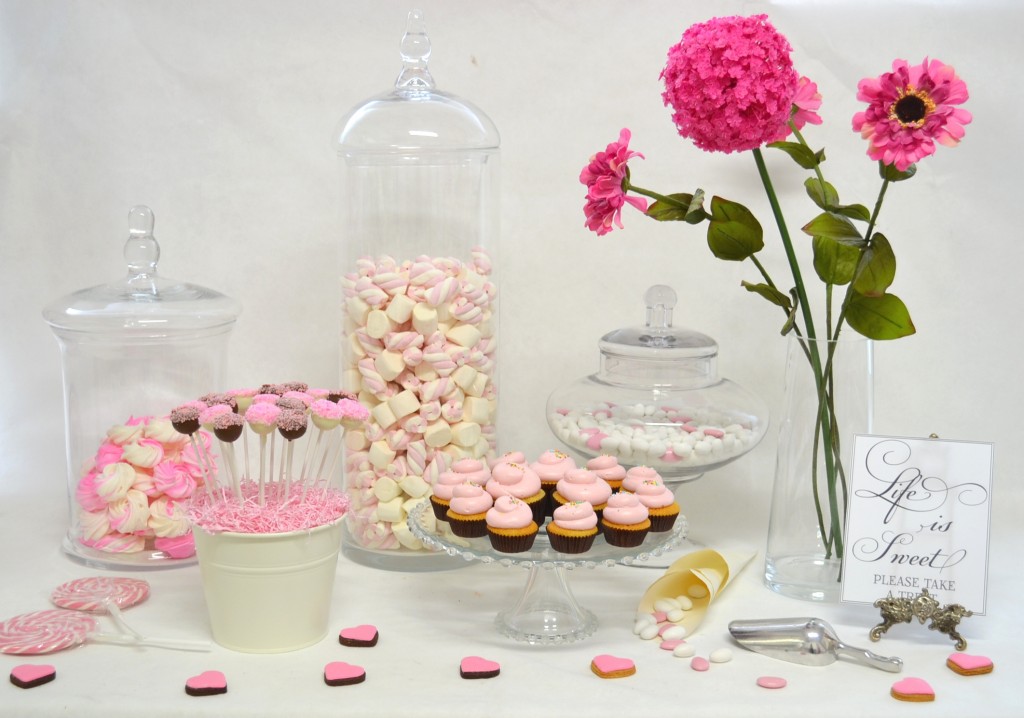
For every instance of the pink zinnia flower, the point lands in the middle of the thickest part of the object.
(605, 178)
(805, 105)
(731, 83)
(909, 110)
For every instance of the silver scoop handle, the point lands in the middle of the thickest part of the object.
(872, 660)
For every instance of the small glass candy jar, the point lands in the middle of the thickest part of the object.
(419, 306)
(657, 400)
(129, 350)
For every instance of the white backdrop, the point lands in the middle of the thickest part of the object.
(219, 116)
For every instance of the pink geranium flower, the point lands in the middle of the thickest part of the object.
(731, 83)
(607, 178)
(805, 107)
(909, 110)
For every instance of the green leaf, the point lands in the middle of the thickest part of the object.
(878, 268)
(791, 319)
(692, 210)
(825, 196)
(854, 211)
(822, 194)
(889, 172)
(801, 154)
(734, 234)
(834, 226)
(772, 294)
(883, 317)
(835, 262)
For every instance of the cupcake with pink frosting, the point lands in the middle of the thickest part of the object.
(582, 485)
(509, 457)
(522, 483)
(467, 514)
(473, 471)
(609, 469)
(573, 527)
(625, 522)
(636, 476)
(443, 490)
(510, 525)
(660, 502)
(551, 467)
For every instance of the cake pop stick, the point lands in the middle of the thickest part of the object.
(326, 415)
(227, 428)
(292, 425)
(262, 418)
(185, 420)
(353, 416)
(207, 417)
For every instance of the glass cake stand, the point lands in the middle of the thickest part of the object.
(546, 612)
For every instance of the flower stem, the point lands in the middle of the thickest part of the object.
(823, 423)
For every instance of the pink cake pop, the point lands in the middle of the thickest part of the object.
(242, 397)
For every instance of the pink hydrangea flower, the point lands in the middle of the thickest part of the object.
(909, 110)
(731, 83)
(605, 177)
(805, 107)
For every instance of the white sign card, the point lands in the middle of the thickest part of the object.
(918, 517)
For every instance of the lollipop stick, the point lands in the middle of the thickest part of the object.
(245, 454)
(121, 639)
(286, 469)
(263, 463)
(305, 460)
(202, 465)
(227, 452)
(337, 456)
(323, 461)
(273, 444)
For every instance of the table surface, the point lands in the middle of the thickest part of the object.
(429, 621)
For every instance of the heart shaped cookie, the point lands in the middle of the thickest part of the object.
(339, 673)
(607, 666)
(207, 683)
(30, 675)
(364, 635)
(916, 690)
(968, 665)
(477, 667)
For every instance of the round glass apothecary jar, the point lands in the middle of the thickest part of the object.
(129, 350)
(420, 294)
(657, 400)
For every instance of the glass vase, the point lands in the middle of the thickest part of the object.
(828, 400)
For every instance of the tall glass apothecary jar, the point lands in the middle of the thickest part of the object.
(420, 296)
(131, 349)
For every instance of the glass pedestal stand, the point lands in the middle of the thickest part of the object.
(547, 612)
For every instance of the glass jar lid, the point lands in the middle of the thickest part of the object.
(657, 339)
(415, 116)
(142, 303)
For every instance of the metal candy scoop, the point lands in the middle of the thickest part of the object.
(807, 641)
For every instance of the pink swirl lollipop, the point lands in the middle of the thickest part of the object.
(93, 594)
(45, 631)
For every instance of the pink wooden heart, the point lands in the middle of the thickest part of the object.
(207, 683)
(364, 633)
(29, 675)
(341, 673)
(913, 689)
(477, 667)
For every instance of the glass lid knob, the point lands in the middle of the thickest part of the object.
(415, 50)
(141, 251)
